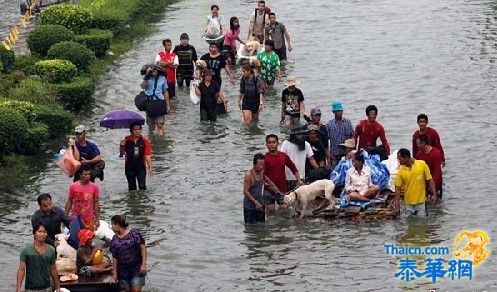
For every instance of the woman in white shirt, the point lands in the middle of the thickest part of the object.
(358, 184)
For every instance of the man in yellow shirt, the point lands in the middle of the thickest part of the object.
(411, 179)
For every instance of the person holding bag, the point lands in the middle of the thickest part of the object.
(154, 85)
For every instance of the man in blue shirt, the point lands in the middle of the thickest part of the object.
(339, 130)
(155, 86)
(87, 152)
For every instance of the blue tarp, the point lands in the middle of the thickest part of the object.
(380, 176)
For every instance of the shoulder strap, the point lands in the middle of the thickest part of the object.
(155, 87)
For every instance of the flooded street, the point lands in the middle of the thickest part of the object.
(406, 57)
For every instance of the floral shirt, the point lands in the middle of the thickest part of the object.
(270, 63)
(127, 252)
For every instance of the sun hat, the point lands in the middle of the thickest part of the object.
(349, 143)
(315, 111)
(336, 106)
(298, 130)
(291, 81)
(80, 129)
(84, 235)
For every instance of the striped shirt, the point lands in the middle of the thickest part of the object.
(338, 132)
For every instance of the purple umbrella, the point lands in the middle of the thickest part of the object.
(120, 119)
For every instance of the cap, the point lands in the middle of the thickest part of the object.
(315, 111)
(349, 143)
(80, 129)
(84, 235)
(184, 36)
(336, 106)
(291, 81)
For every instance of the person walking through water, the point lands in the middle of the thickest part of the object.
(230, 37)
(129, 255)
(258, 21)
(253, 186)
(278, 33)
(216, 61)
(251, 98)
(209, 92)
(215, 23)
(169, 61)
(187, 56)
(270, 65)
(37, 263)
(138, 157)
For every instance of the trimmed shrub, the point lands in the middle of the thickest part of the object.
(26, 64)
(7, 58)
(55, 71)
(10, 80)
(74, 17)
(78, 54)
(97, 40)
(43, 37)
(33, 90)
(36, 137)
(12, 130)
(75, 95)
(27, 109)
(59, 121)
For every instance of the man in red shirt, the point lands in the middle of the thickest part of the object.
(275, 163)
(433, 158)
(368, 131)
(169, 61)
(428, 131)
(138, 154)
(83, 200)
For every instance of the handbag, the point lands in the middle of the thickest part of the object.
(142, 99)
(156, 107)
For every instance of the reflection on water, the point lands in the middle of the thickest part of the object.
(406, 57)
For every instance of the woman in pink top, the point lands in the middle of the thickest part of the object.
(230, 37)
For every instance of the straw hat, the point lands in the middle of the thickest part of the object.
(349, 143)
(291, 81)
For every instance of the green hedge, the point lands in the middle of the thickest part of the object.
(36, 138)
(55, 71)
(26, 63)
(97, 40)
(43, 37)
(75, 95)
(7, 58)
(12, 130)
(10, 80)
(33, 90)
(74, 17)
(78, 54)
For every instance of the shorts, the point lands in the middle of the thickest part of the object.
(126, 284)
(281, 52)
(416, 210)
(271, 198)
(294, 120)
(251, 105)
(251, 216)
(153, 121)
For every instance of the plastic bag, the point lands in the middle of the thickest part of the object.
(213, 27)
(67, 163)
(193, 96)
